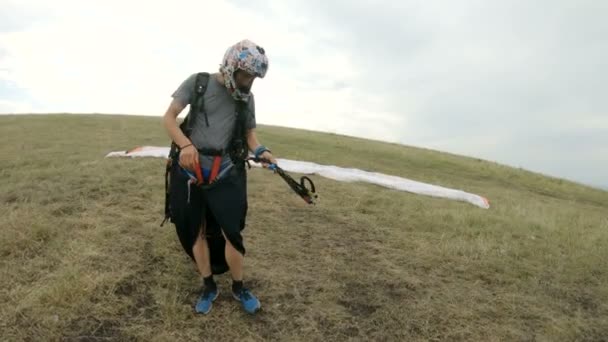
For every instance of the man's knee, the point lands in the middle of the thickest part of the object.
(234, 240)
(227, 238)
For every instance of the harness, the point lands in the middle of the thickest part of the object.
(237, 149)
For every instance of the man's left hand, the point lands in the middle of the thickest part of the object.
(268, 156)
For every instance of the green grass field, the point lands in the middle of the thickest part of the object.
(83, 258)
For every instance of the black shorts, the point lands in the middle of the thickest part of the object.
(220, 208)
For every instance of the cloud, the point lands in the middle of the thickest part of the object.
(517, 82)
(12, 107)
(19, 15)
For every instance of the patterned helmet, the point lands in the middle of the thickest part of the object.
(244, 55)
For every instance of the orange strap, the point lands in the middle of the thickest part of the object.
(215, 169)
(199, 173)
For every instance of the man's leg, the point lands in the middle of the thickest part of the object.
(234, 258)
(203, 263)
(201, 255)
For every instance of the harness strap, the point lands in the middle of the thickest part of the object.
(199, 174)
(215, 169)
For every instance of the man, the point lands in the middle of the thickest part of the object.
(212, 215)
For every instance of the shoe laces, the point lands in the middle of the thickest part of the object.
(245, 294)
(207, 292)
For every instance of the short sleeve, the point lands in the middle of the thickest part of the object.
(185, 91)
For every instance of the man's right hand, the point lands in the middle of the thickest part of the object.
(188, 158)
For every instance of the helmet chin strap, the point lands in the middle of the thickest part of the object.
(236, 93)
(239, 93)
(245, 89)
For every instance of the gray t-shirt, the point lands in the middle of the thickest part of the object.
(221, 114)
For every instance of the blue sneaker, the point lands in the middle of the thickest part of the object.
(205, 301)
(249, 302)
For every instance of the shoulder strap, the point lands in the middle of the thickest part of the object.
(239, 149)
(198, 100)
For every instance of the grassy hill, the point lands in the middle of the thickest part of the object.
(83, 258)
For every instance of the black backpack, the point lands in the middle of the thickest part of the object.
(237, 148)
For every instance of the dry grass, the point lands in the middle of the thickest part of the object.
(82, 256)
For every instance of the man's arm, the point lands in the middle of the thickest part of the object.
(252, 140)
(188, 157)
(171, 126)
(253, 143)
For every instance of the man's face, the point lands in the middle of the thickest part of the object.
(244, 80)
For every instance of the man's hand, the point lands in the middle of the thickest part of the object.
(268, 156)
(188, 158)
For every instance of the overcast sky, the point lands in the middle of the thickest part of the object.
(517, 82)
